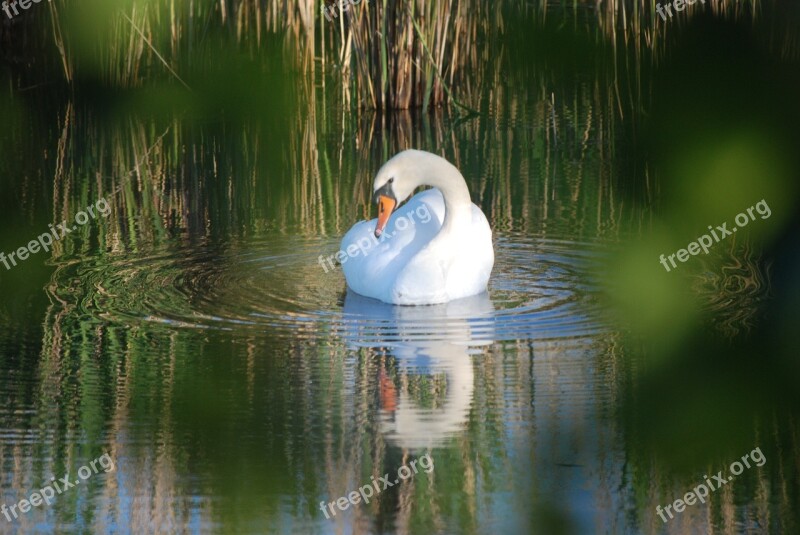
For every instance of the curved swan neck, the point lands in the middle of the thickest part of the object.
(444, 176)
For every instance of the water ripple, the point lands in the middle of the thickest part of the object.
(541, 288)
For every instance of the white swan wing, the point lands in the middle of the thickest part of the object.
(372, 266)
(406, 266)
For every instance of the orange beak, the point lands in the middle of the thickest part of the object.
(385, 208)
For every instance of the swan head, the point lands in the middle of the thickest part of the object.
(394, 183)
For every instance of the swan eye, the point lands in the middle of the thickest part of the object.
(390, 180)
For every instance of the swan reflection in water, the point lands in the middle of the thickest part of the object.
(423, 340)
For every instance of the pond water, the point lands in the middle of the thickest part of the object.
(194, 336)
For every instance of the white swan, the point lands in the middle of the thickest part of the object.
(419, 260)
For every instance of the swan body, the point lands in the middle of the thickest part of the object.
(435, 248)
